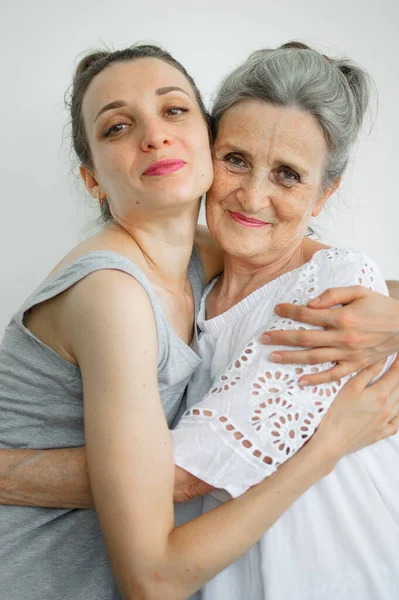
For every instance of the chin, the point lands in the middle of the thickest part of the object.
(242, 250)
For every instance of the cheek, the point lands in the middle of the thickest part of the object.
(295, 207)
(221, 185)
(209, 210)
(110, 162)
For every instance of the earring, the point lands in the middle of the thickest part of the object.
(100, 200)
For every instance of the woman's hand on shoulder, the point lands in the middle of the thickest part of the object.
(364, 330)
(210, 252)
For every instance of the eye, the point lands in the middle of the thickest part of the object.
(115, 129)
(176, 111)
(287, 176)
(235, 160)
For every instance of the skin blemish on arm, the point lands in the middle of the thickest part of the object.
(159, 577)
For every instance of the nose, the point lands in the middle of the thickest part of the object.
(154, 135)
(255, 194)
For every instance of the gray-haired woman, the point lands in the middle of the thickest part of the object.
(285, 122)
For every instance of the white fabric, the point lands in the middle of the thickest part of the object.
(341, 538)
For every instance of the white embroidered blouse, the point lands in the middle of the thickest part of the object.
(248, 415)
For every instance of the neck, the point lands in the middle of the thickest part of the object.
(164, 241)
(241, 277)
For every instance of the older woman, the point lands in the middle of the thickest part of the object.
(285, 122)
(100, 354)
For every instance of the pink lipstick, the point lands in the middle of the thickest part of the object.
(247, 221)
(164, 167)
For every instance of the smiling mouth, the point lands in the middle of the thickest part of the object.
(164, 167)
(247, 221)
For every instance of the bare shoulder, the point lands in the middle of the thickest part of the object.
(210, 252)
(109, 294)
(88, 302)
(111, 324)
(108, 238)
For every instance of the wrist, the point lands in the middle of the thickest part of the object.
(319, 455)
(323, 453)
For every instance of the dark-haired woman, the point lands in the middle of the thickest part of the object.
(113, 324)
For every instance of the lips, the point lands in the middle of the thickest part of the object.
(247, 221)
(164, 167)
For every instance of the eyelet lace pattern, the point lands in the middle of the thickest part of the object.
(256, 415)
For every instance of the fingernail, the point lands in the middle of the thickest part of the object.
(277, 310)
(315, 300)
(275, 357)
(304, 382)
(265, 339)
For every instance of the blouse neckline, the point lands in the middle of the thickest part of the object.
(231, 315)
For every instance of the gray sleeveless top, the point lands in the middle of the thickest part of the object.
(59, 554)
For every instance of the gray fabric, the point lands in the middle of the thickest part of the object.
(57, 554)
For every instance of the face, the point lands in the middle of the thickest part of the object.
(268, 168)
(148, 139)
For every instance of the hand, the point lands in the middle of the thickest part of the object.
(187, 486)
(358, 334)
(361, 414)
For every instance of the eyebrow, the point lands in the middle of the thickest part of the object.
(170, 88)
(110, 106)
(158, 92)
(292, 163)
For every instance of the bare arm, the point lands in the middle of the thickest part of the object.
(130, 457)
(59, 479)
(48, 478)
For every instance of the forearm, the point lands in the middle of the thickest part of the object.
(59, 479)
(46, 478)
(198, 550)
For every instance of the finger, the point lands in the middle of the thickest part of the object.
(341, 370)
(362, 379)
(391, 429)
(390, 380)
(303, 338)
(327, 376)
(303, 314)
(306, 357)
(394, 410)
(394, 421)
(340, 295)
(336, 373)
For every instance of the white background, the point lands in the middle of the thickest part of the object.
(44, 211)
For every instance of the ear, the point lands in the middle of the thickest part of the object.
(90, 181)
(325, 196)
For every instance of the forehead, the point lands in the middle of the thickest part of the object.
(258, 126)
(131, 81)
